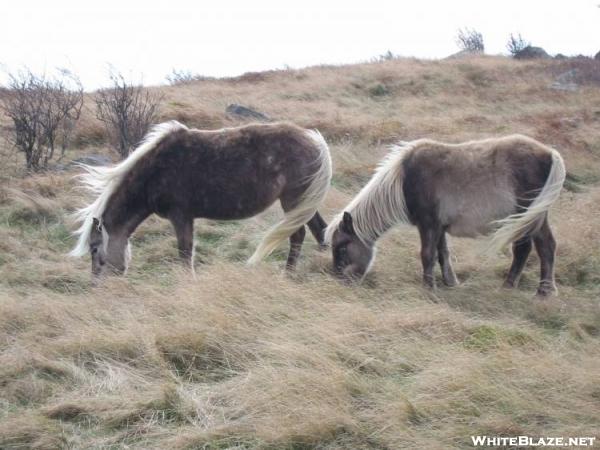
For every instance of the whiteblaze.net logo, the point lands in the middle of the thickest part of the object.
(528, 441)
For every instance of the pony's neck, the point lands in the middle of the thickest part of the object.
(380, 204)
(376, 210)
(367, 229)
(123, 214)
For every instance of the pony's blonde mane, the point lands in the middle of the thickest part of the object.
(381, 203)
(104, 181)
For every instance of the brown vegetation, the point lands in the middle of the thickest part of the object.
(43, 111)
(253, 358)
(127, 111)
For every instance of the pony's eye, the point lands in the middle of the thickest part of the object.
(94, 250)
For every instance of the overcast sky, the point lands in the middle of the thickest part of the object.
(229, 37)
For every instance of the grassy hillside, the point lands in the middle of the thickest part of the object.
(256, 358)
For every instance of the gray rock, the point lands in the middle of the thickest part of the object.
(566, 81)
(531, 52)
(465, 54)
(58, 167)
(570, 122)
(597, 57)
(244, 112)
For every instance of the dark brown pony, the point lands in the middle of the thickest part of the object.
(464, 190)
(228, 174)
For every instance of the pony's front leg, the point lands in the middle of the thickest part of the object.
(184, 229)
(317, 227)
(296, 241)
(429, 241)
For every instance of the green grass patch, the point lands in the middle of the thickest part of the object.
(67, 284)
(483, 337)
(210, 236)
(379, 90)
(584, 272)
(59, 237)
(488, 337)
(21, 216)
(548, 316)
(576, 182)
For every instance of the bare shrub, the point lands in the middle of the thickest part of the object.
(470, 40)
(127, 111)
(516, 43)
(387, 56)
(183, 77)
(44, 111)
(177, 77)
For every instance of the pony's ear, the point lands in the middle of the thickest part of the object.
(347, 225)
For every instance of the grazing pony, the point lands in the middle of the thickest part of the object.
(466, 189)
(228, 174)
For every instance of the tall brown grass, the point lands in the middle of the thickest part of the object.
(256, 358)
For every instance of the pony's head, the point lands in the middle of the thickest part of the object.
(110, 254)
(352, 258)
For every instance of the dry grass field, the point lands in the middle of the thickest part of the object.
(246, 358)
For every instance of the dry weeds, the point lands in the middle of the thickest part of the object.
(255, 358)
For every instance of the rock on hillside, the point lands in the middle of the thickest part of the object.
(530, 52)
(465, 54)
(244, 112)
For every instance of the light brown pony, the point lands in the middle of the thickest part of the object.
(465, 189)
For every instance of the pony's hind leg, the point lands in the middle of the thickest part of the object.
(545, 246)
(520, 250)
(184, 230)
(317, 227)
(297, 238)
(429, 240)
(296, 241)
(448, 275)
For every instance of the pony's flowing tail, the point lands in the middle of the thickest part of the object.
(306, 208)
(518, 225)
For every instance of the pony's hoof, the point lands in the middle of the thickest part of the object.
(508, 285)
(545, 292)
(546, 289)
(429, 287)
(428, 283)
(451, 283)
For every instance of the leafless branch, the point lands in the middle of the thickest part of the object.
(40, 108)
(127, 110)
(470, 40)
